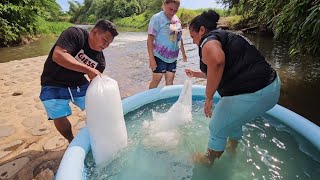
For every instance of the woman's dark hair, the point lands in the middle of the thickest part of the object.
(208, 19)
(106, 25)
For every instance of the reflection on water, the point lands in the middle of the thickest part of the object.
(40, 47)
(266, 151)
(127, 62)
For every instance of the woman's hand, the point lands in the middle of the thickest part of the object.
(208, 107)
(152, 64)
(189, 72)
(184, 58)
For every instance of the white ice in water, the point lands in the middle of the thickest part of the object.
(162, 132)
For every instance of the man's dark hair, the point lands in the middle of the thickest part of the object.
(106, 25)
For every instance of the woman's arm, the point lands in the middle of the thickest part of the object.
(197, 74)
(184, 56)
(214, 57)
(152, 61)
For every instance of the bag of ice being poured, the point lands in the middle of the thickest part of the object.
(105, 120)
(162, 132)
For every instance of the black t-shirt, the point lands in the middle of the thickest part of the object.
(75, 41)
(245, 70)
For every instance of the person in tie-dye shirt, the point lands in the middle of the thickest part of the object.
(164, 38)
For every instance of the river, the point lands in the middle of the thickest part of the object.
(127, 62)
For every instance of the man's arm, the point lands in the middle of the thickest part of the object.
(64, 59)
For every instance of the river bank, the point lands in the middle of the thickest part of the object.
(30, 143)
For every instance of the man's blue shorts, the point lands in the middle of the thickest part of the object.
(163, 67)
(56, 99)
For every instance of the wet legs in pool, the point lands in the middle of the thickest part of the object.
(232, 146)
(207, 158)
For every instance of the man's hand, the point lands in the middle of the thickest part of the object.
(93, 73)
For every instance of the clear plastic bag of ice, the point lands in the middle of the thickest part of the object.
(105, 120)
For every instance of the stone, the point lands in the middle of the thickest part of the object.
(17, 93)
(45, 175)
(9, 169)
(52, 165)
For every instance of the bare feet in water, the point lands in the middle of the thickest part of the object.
(206, 159)
(199, 158)
(231, 147)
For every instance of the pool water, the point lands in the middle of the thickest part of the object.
(268, 150)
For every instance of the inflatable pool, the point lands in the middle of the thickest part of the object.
(72, 165)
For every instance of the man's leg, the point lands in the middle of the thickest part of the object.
(63, 125)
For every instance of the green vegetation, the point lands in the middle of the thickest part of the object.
(138, 22)
(293, 21)
(141, 21)
(19, 19)
(48, 28)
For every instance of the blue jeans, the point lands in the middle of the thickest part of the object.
(232, 112)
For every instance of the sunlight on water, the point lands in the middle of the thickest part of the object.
(267, 151)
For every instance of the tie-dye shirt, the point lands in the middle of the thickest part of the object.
(167, 36)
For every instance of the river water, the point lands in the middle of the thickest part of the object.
(127, 62)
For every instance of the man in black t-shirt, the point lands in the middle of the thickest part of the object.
(77, 52)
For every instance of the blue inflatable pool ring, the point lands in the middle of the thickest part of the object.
(72, 163)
